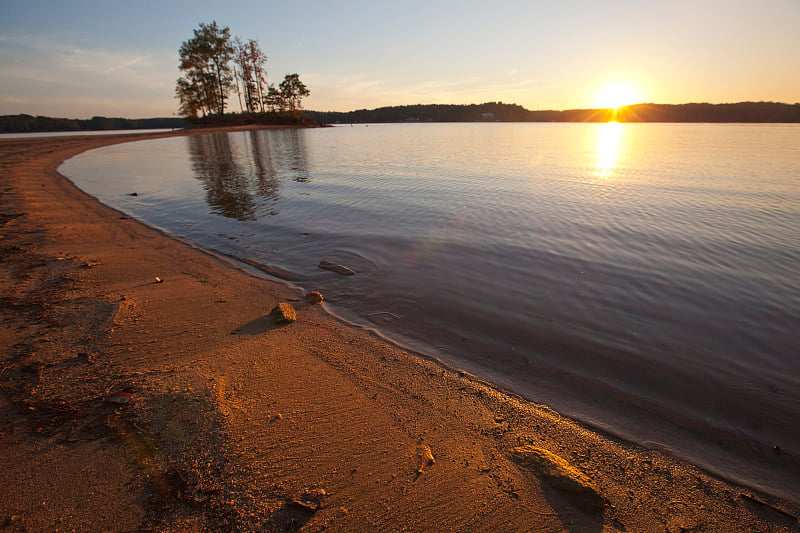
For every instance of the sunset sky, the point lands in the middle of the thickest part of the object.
(81, 58)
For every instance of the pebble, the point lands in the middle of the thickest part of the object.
(314, 297)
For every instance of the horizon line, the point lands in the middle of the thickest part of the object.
(175, 116)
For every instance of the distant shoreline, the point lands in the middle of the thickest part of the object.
(741, 112)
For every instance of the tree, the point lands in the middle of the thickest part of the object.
(250, 61)
(274, 100)
(191, 97)
(213, 64)
(293, 91)
(205, 60)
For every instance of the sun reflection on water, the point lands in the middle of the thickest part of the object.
(609, 143)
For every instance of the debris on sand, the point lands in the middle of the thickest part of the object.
(311, 500)
(425, 456)
(121, 398)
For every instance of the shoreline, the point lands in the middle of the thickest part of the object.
(198, 413)
(632, 391)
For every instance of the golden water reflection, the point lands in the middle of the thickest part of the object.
(609, 145)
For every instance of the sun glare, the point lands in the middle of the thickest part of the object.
(609, 144)
(617, 95)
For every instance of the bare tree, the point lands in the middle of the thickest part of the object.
(250, 61)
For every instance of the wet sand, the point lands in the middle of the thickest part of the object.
(128, 404)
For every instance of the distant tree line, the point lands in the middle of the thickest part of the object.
(740, 112)
(492, 111)
(31, 124)
(500, 112)
(489, 112)
(215, 66)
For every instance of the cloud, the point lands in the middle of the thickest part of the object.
(36, 70)
(86, 107)
(62, 62)
(344, 93)
(367, 90)
(127, 64)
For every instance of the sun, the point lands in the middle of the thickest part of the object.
(617, 95)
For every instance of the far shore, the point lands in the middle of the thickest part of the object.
(145, 387)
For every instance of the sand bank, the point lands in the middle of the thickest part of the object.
(132, 405)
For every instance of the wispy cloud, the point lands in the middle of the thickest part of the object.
(130, 63)
(368, 90)
(85, 107)
(54, 61)
(31, 67)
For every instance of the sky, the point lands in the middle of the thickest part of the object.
(84, 58)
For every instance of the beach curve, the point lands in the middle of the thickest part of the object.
(177, 405)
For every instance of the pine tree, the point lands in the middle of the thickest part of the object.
(205, 60)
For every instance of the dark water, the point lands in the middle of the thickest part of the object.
(643, 278)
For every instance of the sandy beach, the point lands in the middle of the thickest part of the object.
(144, 387)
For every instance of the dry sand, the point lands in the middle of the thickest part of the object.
(131, 405)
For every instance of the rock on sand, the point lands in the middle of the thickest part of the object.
(314, 297)
(283, 313)
(580, 489)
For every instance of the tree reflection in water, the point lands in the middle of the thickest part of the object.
(292, 144)
(241, 172)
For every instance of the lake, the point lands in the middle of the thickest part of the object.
(642, 278)
(73, 133)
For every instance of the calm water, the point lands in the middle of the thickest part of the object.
(72, 133)
(643, 278)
